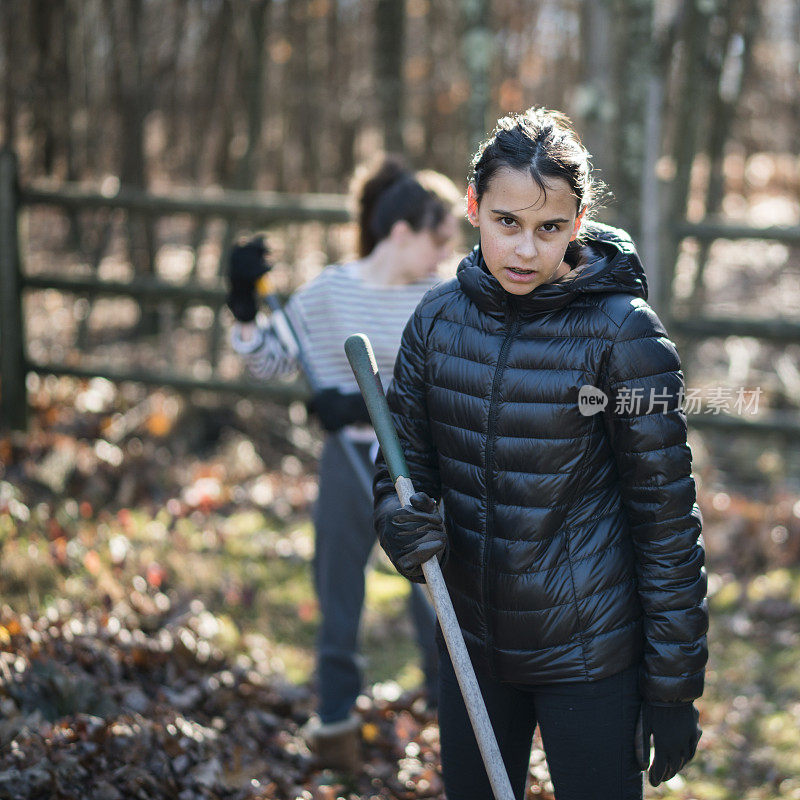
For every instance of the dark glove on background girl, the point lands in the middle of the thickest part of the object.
(247, 264)
(410, 534)
(336, 409)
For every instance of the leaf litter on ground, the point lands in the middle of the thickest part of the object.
(157, 637)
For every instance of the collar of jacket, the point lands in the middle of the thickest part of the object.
(608, 263)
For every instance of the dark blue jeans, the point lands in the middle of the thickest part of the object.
(587, 729)
(344, 538)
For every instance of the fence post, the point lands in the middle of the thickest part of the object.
(13, 399)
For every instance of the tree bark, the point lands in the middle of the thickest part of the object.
(132, 94)
(722, 113)
(390, 23)
(9, 83)
(632, 69)
(595, 96)
(47, 84)
(687, 115)
(477, 52)
(253, 85)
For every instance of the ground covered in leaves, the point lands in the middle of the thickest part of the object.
(156, 632)
(95, 707)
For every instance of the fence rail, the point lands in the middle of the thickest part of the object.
(711, 229)
(778, 423)
(778, 331)
(138, 287)
(264, 209)
(278, 391)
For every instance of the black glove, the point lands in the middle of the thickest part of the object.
(336, 409)
(248, 263)
(675, 731)
(411, 534)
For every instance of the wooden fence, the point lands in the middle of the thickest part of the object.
(255, 209)
(262, 209)
(784, 424)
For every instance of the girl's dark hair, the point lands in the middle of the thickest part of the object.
(543, 142)
(392, 193)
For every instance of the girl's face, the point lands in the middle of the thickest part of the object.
(424, 250)
(524, 231)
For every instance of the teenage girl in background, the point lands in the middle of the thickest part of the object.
(406, 228)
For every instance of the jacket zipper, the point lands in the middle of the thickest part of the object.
(512, 325)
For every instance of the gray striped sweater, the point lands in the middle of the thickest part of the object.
(322, 314)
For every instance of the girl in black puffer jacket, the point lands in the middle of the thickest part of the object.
(538, 397)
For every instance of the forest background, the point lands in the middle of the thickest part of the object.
(158, 620)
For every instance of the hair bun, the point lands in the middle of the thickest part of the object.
(391, 192)
(368, 186)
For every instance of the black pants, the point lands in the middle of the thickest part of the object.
(588, 731)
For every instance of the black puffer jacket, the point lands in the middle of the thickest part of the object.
(573, 539)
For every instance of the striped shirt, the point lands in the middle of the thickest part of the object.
(322, 314)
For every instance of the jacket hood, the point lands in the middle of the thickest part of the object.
(608, 263)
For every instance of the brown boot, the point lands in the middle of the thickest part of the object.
(335, 745)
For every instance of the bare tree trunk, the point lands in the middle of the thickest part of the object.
(307, 108)
(337, 151)
(213, 104)
(210, 103)
(253, 86)
(691, 32)
(632, 64)
(130, 91)
(9, 88)
(721, 116)
(291, 156)
(692, 93)
(651, 214)
(71, 49)
(478, 54)
(796, 104)
(390, 22)
(46, 90)
(595, 98)
(654, 233)
(90, 131)
(92, 232)
(431, 116)
(62, 122)
(223, 164)
(173, 91)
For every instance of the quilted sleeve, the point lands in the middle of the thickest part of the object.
(647, 429)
